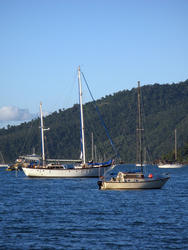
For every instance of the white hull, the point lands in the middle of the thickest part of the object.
(4, 165)
(142, 184)
(139, 165)
(66, 173)
(175, 165)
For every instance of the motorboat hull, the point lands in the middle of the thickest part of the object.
(92, 172)
(175, 165)
(133, 184)
(4, 165)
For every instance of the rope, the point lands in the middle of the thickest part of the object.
(100, 116)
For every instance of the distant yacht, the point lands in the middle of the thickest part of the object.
(172, 164)
(2, 161)
(4, 165)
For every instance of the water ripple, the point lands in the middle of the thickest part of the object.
(74, 214)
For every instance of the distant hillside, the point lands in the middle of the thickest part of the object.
(165, 108)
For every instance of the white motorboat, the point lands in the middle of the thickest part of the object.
(136, 179)
(4, 165)
(170, 165)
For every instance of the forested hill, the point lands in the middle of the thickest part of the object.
(165, 108)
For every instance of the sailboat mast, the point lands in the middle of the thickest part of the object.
(175, 146)
(82, 118)
(42, 133)
(92, 145)
(139, 128)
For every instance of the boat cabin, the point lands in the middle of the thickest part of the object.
(128, 175)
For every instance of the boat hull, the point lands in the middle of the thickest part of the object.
(92, 172)
(143, 184)
(4, 165)
(170, 165)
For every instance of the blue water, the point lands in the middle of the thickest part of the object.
(74, 214)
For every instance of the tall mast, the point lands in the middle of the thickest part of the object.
(82, 118)
(42, 133)
(92, 149)
(175, 146)
(139, 128)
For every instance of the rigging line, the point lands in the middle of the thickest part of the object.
(111, 142)
(89, 124)
(28, 132)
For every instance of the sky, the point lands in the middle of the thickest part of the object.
(115, 42)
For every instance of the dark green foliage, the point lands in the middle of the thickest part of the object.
(165, 108)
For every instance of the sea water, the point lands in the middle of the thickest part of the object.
(75, 214)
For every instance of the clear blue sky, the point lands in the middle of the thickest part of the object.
(116, 43)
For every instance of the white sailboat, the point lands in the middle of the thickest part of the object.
(2, 161)
(83, 169)
(173, 164)
(135, 179)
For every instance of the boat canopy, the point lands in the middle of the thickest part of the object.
(100, 163)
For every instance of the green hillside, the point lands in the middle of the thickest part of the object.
(165, 108)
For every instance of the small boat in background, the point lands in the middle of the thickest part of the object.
(175, 163)
(13, 167)
(4, 165)
(2, 161)
(170, 165)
